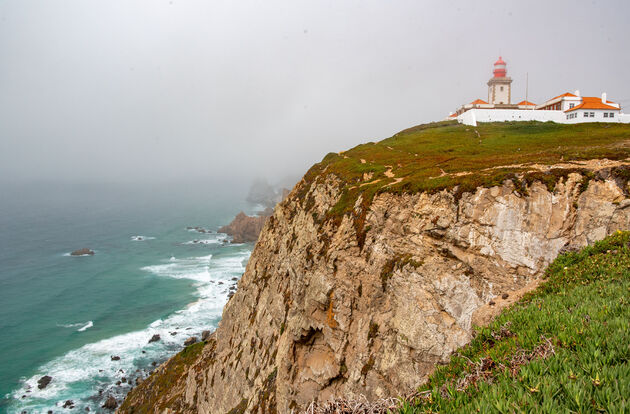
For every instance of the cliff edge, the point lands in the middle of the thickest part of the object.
(374, 268)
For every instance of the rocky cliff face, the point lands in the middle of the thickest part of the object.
(370, 302)
(245, 228)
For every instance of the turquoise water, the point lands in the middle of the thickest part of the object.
(66, 316)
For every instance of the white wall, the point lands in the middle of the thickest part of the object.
(472, 116)
(598, 116)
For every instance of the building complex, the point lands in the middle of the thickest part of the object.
(568, 108)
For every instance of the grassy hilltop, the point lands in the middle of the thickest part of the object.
(443, 155)
(564, 348)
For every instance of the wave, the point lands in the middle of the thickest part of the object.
(81, 373)
(85, 327)
(142, 238)
(81, 325)
(69, 254)
(207, 241)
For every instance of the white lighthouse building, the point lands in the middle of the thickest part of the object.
(566, 108)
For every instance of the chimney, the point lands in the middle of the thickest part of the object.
(577, 93)
(604, 97)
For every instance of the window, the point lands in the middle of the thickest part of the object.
(612, 115)
(501, 88)
(605, 114)
(585, 114)
(571, 105)
(592, 115)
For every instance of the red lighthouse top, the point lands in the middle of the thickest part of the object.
(499, 68)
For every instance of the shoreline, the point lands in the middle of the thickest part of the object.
(211, 275)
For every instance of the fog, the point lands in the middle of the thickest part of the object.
(173, 90)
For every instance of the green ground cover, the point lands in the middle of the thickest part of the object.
(563, 348)
(428, 157)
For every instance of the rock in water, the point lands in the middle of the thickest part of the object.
(43, 382)
(82, 252)
(68, 404)
(110, 403)
(190, 341)
(244, 228)
(115, 358)
(154, 338)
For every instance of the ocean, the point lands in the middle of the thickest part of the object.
(66, 317)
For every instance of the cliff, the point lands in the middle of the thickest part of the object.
(245, 228)
(374, 268)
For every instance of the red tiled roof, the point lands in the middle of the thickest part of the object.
(593, 102)
(526, 103)
(479, 102)
(563, 95)
(453, 115)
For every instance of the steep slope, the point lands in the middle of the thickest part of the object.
(563, 348)
(371, 271)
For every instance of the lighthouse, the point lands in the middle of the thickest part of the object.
(499, 86)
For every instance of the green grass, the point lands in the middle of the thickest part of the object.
(563, 348)
(421, 155)
(159, 384)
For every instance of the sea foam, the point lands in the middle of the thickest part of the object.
(92, 363)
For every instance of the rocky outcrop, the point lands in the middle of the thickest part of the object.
(110, 403)
(367, 303)
(82, 252)
(44, 381)
(245, 228)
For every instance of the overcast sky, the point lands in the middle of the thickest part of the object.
(127, 90)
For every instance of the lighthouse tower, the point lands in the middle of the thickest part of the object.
(499, 86)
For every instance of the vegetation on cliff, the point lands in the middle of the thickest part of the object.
(562, 348)
(444, 155)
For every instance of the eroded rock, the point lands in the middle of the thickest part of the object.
(324, 310)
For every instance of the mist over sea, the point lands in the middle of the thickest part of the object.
(67, 316)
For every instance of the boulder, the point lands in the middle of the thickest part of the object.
(154, 338)
(115, 358)
(190, 341)
(82, 252)
(110, 403)
(205, 335)
(43, 382)
(68, 404)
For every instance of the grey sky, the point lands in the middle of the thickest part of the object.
(169, 89)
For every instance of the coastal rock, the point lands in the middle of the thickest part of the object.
(82, 252)
(43, 382)
(110, 403)
(68, 404)
(205, 335)
(154, 338)
(190, 341)
(244, 228)
(370, 303)
(115, 358)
